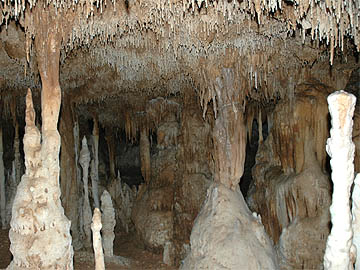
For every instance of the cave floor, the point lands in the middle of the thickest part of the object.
(125, 245)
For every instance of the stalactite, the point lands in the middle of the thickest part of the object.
(339, 251)
(97, 244)
(95, 164)
(2, 184)
(84, 162)
(145, 155)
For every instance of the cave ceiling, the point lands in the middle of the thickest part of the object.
(118, 55)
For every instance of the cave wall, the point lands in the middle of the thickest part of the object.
(291, 188)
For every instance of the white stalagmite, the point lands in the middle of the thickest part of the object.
(95, 164)
(98, 250)
(2, 185)
(356, 219)
(84, 162)
(109, 222)
(341, 149)
(40, 232)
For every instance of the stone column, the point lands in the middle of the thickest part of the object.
(145, 155)
(98, 250)
(37, 214)
(341, 149)
(229, 134)
(84, 162)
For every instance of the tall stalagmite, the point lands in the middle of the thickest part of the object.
(339, 253)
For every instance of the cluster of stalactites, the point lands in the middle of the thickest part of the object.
(327, 20)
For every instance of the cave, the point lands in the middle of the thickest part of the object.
(202, 134)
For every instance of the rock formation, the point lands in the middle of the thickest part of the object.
(340, 253)
(84, 161)
(165, 92)
(290, 190)
(109, 222)
(96, 226)
(153, 209)
(37, 215)
(123, 199)
(225, 221)
(40, 232)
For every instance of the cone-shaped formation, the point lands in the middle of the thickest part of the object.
(339, 252)
(40, 232)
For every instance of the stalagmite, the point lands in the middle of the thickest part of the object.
(145, 155)
(84, 162)
(98, 250)
(356, 219)
(37, 215)
(339, 252)
(95, 164)
(2, 185)
(109, 222)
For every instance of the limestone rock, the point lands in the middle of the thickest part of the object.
(40, 232)
(290, 190)
(339, 252)
(226, 235)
